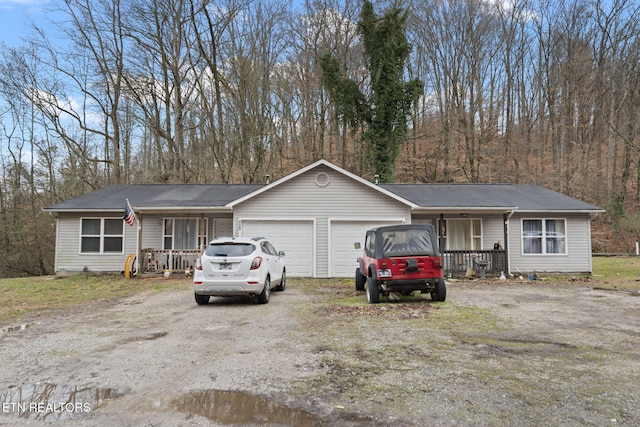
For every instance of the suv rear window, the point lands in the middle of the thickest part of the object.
(229, 249)
(406, 243)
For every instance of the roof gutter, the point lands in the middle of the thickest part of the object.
(465, 209)
(183, 208)
(563, 211)
(150, 210)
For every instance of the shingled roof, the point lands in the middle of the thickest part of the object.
(427, 197)
(150, 196)
(521, 197)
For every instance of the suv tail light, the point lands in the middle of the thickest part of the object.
(255, 264)
(198, 264)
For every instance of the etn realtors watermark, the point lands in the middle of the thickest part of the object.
(45, 408)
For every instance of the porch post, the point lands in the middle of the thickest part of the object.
(506, 217)
(139, 246)
(202, 233)
(441, 234)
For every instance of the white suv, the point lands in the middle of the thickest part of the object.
(248, 266)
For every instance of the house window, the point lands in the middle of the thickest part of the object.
(101, 235)
(544, 236)
(185, 233)
(462, 234)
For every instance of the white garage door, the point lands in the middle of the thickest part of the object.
(295, 238)
(344, 234)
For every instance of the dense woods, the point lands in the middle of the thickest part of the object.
(199, 91)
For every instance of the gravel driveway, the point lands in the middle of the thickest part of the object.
(495, 353)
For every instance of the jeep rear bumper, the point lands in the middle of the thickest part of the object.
(405, 286)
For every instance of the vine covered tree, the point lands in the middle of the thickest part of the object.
(383, 109)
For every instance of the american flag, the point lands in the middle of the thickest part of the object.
(129, 217)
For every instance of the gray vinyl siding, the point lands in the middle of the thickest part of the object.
(300, 198)
(152, 231)
(492, 231)
(322, 247)
(68, 256)
(578, 241)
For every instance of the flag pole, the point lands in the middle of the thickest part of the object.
(138, 236)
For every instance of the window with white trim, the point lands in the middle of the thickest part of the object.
(544, 236)
(185, 233)
(463, 234)
(101, 235)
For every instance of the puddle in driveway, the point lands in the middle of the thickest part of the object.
(51, 401)
(241, 408)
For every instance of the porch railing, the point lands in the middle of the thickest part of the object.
(456, 263)
(174, 260)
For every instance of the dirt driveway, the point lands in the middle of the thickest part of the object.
(495, 353)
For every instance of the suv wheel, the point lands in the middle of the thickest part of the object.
(373, 294)
(202, 299)
(440, 294)
(263, 298)
(361, 279)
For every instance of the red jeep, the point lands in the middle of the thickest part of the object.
(403, 259)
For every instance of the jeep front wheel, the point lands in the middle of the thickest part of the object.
(373, 294)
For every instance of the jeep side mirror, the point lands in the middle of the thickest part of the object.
(356, 245)
(281, 253)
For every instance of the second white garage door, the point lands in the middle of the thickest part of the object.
(295, 238)
(344, 234)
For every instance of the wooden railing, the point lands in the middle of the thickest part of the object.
(456, 263)
(174, 260)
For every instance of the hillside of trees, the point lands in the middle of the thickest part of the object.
(199, 91)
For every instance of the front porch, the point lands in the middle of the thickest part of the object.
(457, 263)
(157, 260)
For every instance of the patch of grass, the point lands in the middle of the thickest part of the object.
(22, 297)
(617, 268)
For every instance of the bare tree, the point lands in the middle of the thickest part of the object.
(161, 78)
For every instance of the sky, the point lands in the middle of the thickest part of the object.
(14, 18)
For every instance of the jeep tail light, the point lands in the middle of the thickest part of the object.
(198, 264)
(437, 263)
(256, 263)
(383, 269)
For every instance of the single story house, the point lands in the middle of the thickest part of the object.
(316, 214)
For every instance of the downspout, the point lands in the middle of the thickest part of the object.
(591, 243)
(55, 254)
(507, 216)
